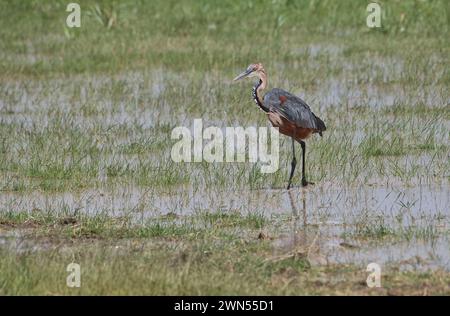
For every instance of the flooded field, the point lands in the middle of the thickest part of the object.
(86, 173)
(383, 224)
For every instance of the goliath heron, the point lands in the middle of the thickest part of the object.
(289, 113)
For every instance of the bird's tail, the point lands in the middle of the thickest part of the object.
(320, 125)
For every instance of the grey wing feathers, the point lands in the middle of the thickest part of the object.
(293, 108)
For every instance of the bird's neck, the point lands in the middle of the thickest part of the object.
(257, 89)
(263, 83)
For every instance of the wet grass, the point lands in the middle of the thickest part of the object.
(101, 226)
(378, 230)
(67, 156)
(92, 110)
(167, 258)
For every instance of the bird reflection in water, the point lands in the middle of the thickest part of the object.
(305, 238)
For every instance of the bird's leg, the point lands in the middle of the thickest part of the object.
(293, 164)
(304, 182)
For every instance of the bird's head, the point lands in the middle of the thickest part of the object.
(253, 70)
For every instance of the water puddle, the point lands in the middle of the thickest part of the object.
(421, 242)
(410, 225)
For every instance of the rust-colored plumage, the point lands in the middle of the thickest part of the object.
(290, 114)
(289, 128)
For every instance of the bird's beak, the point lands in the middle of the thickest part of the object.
(243, 75)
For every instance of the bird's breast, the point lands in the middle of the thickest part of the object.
(288, 128)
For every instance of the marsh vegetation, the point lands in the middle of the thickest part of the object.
(86, 176)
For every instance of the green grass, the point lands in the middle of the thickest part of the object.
(165, 258)
(92, 109)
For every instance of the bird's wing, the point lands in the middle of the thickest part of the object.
(292, 108)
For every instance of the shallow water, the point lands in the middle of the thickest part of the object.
(328, 246)
(325, 215)
(327, 200)
(412, 255)
(327, 241)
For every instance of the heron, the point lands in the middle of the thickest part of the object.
(287, 112)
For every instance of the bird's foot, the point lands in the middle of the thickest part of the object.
(306, 183)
